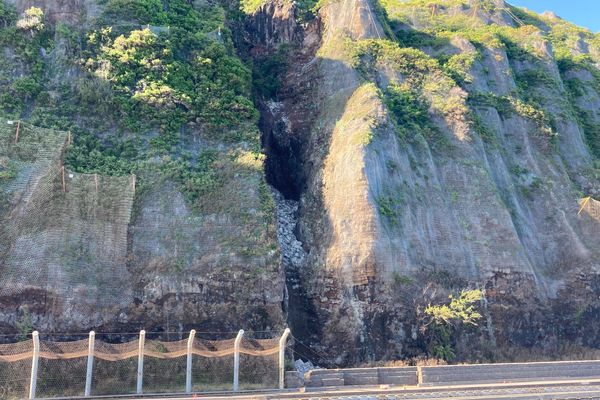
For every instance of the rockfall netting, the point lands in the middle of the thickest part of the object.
(15, 369)
(63, 365)
(63, 235)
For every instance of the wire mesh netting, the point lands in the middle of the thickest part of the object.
(14, 379)
(56, 225)
(165, 366)
(15, 369)
(259, 361)
(212, 374)
(63, 365)
(61, 377)
(114, 377)
(259, 372)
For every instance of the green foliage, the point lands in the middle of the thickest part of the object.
(443, 320)
(486, 134)
(7, 171)
(529, 189)
(408, 61)
(174, 78)
(459, 66)
(8, 14)
(196, 178)
(390, 207)
(400, 280)
(269, 71)
(424, 86)
(140, 11)
(32, 20)
(460, 310)
(507, 105)
(577, 89)
(88, 155)
(409, 112)
(250, 6)
(24, 324)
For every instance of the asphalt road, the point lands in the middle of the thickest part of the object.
(532, 390)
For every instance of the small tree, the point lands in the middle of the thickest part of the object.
(32, 20)
(443, 320)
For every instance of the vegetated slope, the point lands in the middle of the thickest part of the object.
(154, 93)
(449, 145)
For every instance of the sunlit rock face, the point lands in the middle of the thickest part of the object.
(482, 192)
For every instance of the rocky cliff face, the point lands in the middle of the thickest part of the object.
(397, 210)
(138, 241)
(415, 150)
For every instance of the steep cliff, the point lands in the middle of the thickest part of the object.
(161, 217)
(448, 146)
(415, 148)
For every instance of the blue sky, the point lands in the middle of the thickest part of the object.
(584, 13)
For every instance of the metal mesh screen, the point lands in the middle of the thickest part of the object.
(114, 377)
(14, 379)
(63, 365)
(61, 378)
(56, 227)
(212, 374)
(258, 372)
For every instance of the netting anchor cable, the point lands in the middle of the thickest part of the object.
(236, 360)
(90, 364)
(34, 364)
(140, 371)
(188, 370)
(282, 341)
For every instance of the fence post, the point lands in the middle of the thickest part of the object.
(140, 371)
(188, 370)
(34, 364)
(282, 357)
(236, 360)
(90, 364)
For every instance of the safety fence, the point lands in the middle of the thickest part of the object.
(37, 368)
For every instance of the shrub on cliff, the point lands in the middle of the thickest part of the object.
(442, 321)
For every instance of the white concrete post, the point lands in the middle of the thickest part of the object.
(188, 370)
(236, 360)
(282, 341)
(140, 371)
(90, 364)
(34, 364)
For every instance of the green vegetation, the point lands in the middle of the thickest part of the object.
(268, 72)
(440, 21)
(24, 324)
(158, 74)
(508, 105)
(458, 66)
(424, 87)
(32, 21)
(7, 171)
(389, 207)
(442, 321)
(400, 280)
(409, 112)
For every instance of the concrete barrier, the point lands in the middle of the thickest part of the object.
(446, 374)
(496, 373)
(361, 376)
